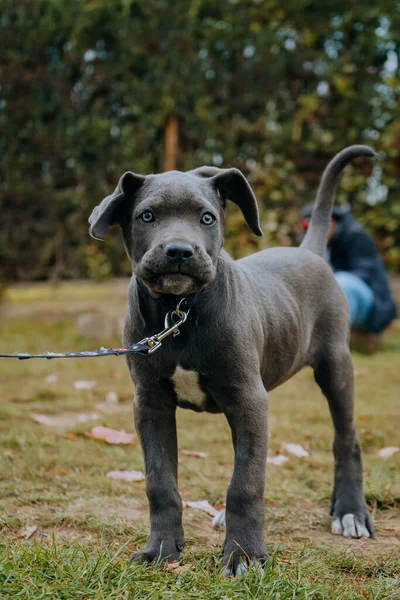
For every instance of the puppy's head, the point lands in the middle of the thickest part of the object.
(172, 224)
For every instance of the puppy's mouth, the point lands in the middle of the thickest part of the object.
(178, 284)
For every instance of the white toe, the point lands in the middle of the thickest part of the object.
(336, 526)
(219, 521)
(349, 525)
(362, 530)
(257, 566)
(241, 569)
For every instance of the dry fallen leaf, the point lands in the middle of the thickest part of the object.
(64, 419)
(295, 449)
(388, 452)
(194, 453)
(84, 385)
(105, 408)
(202, 505)
(71, 436)
(360, 371)
(46, 420)
(116, 375)
(110, 403)
(112, 436)
(111, 398)
(175, 567)
(29, 531)
(126, 475)
(279, 460)
(364, 418)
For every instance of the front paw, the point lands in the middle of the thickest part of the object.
(238, 558)
(159, 552)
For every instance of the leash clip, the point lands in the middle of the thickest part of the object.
(173, 320)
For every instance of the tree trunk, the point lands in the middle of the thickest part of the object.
(171, 144)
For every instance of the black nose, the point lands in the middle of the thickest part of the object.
(179, 252)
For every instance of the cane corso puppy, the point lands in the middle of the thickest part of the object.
(253, 323)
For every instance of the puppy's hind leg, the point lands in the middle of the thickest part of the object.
(349, 511)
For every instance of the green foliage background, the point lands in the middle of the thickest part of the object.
(272, 88)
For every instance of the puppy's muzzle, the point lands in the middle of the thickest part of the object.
(175, 267)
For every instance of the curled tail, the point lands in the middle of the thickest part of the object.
(316, 237)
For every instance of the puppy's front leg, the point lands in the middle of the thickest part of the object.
(247, 414)
(156, 426)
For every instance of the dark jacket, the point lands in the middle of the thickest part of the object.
(353, 250)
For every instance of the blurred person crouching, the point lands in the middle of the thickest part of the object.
(360, 272)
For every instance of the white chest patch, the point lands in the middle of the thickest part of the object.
(186, 385)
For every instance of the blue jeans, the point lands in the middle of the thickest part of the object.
(359, 297)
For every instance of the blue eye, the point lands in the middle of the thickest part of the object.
(208, 219)
(146, 217)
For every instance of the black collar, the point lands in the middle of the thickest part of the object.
(169, 301)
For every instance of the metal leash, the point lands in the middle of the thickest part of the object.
(173, 320)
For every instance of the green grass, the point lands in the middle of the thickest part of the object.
(48, 571)
(87, 525)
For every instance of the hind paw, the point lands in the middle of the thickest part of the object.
(353, 525)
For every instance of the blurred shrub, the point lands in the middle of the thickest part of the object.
(273, 89)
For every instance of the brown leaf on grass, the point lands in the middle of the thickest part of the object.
(388, 452)
(175, 567)
(29, 531)
(194, 453)
(64, 419)
(126, 475)
(112, 436)
(71, 436)
(202, 505)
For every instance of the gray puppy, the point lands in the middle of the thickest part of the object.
(253, 323)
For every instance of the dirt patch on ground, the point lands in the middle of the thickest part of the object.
(386, 540)
(112, 510)
(383, 543)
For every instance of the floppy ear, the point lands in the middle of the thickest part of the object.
(233, 185)
(108, 212)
